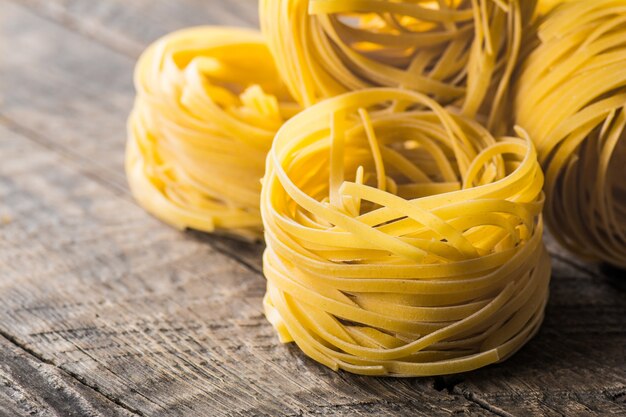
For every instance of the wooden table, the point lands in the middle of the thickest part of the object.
(106, 311)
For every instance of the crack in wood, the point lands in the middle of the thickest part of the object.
(15, 342)
(447, 382)
(619, 396)
(473, 397)
(90, 356)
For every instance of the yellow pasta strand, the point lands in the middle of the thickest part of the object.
(402, 239)
(572, 100)
(209, 101)
(457, 51)
(545, 6)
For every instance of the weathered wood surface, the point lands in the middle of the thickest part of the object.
(107, 312)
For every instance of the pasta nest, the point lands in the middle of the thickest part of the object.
(209, 101)
(402, 239)
(456, 51)
(572, 101)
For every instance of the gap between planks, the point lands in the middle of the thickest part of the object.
(95, 390)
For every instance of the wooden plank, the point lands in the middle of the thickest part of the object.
(586, 312)
(128, 26)
(29, 387)
(577, 363)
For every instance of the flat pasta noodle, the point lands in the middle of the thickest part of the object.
(402, 239)
(209, 101)
(572, 100)
(457, 51)
(545, 6)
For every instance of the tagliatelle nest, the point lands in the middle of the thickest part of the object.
(402, 239)
(457, 51)
(572, 100)
(209, 101)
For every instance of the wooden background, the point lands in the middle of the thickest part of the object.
(106, 312)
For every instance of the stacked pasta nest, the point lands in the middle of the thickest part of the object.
(209, 101)
(402, 147)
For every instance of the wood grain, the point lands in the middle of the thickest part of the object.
(128, 26)
(140, 319)
(31, 387)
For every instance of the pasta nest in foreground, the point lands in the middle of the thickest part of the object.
(209, 101)
(456, 51)
(402, 239)
(572, 100)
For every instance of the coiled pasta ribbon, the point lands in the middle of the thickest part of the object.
(402, 239)
(545, 6)
(572, 101)
(457, 51)
(209, 101)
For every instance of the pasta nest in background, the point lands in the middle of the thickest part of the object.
(572, 100)
(545, 6)
(402, 239)
(209, 101)
(456, 51)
